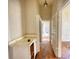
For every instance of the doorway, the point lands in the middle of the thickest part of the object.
(45, 30)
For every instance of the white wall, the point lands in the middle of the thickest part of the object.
(65, 23)
(23, 18)
(15, 27)
(54, 35)
(21, 52)
(31, 17)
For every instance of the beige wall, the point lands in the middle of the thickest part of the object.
(29, 13)
(56, 26)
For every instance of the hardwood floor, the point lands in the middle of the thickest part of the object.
(46, 51)
(65, 50)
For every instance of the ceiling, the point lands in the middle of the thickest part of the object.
(41, 2)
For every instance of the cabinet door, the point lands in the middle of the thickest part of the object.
(21, 52)
(32, 51)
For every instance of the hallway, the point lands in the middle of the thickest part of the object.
(46, 51)
(32, 21)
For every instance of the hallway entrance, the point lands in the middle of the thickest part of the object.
(46, 51)
(45, 31)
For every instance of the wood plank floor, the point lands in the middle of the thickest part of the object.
(65, 50)
(46, 51)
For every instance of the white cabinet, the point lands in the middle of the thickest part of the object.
(24, 49)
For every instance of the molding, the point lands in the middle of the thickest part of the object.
(15, 40)
(22, 37)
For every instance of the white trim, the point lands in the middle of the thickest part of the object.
(22, 37)
(15, 40)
